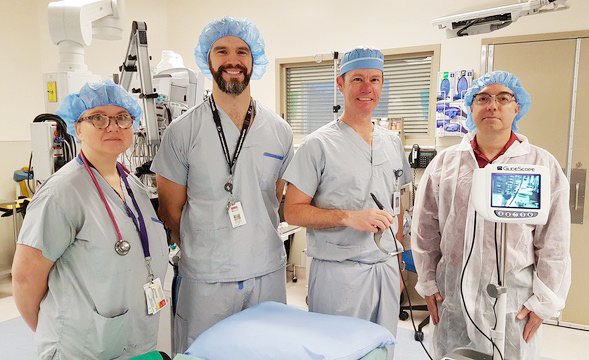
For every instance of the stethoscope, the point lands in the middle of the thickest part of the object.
(122, 247)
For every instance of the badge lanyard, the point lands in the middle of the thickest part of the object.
(139, 222)
(122, 247)
(234, 207)
(230, 162)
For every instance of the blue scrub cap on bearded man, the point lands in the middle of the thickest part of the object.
(229, 26)
(362, 57)
(92, 95)
(504, 78)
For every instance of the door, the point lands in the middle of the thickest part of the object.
(546, 69)
(576, 311)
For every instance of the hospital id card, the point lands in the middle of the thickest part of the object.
(396, 203)
(154, 295)
(236, 214)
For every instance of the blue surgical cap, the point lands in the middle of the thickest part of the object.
(362, 57)
(229, 26)
(97, 94)
(504, 78)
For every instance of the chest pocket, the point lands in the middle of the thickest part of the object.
(271, 164)
(385, 162)
(96, 244)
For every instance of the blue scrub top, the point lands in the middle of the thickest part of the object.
(95, 306)
(339, 170)
(191, 155)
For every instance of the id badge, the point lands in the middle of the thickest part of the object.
(236, 215)
(154, 296)
(396, 203)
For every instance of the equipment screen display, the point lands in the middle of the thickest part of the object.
(515, 191)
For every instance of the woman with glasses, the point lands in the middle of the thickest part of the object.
(92, 254)
(444, 224)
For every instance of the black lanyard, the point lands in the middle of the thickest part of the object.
(230, 162)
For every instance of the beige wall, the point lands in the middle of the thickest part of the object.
(309, 27)
(302, 28)
(15, 155)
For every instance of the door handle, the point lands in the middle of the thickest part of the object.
(577, 185)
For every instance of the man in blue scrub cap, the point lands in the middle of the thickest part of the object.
(538, 261)
(331, 179)
(219, 171)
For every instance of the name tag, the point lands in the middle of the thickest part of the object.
(154, 296)
(396, 203)
(236, 214)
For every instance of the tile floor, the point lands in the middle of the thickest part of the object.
(558, 343)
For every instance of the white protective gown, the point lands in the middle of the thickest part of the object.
(338, 170)
(538, 259)
(95, 307)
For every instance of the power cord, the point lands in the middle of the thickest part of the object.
(29, 175)
(409, 301)
(66, 139)
(381, 207)
(497, 254)
(462, 289)
(468, 24)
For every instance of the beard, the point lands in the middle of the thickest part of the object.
(232, 87)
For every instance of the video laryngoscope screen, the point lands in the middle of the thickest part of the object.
(515, 191)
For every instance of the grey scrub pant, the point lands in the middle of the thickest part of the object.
(366, 291)
(201, 304)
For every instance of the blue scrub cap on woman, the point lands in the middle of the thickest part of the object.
(504, 78)
(362, 57)
(229, 26)
(97, 94)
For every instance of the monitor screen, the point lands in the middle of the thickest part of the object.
(515, 191)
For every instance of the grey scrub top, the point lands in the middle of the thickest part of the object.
(191, 154)
(338, 170)
(95, 306)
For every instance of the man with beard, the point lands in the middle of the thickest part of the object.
(219, 171)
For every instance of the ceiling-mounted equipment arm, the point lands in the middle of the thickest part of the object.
(494, 17)
(73, 24)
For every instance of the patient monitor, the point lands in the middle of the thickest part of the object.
(509, 193)
(494, 16)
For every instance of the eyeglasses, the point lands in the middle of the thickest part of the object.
(503, 98)
(102, 121)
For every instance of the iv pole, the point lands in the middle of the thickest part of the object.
(500, 293)
(319, 59)
(336, 107)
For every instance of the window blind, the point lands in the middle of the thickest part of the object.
(405, 93)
